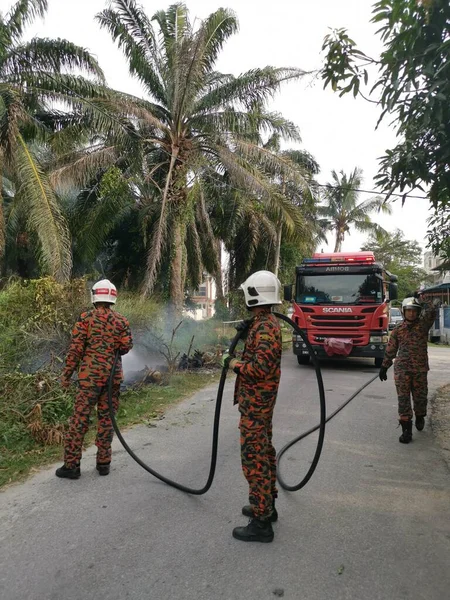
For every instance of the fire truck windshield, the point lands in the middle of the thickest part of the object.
(343, 288)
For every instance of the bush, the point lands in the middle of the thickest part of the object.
(36, 318)
(140, 312)
(33, 408)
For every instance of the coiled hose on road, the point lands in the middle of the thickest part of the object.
(215, 439)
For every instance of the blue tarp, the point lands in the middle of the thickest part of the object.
(447, 317)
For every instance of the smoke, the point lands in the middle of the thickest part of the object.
(159, 342)
(133, 361)
(140, 358)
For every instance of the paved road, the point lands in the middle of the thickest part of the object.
(372, 524)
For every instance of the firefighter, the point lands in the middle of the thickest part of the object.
(408, 344)
(258, 377)
(96, 337)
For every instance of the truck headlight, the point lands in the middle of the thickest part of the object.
(376, 339)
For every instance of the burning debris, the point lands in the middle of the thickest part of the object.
(199, 360)
(146, 376)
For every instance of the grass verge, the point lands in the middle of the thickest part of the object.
(22, 455)
(440, 420)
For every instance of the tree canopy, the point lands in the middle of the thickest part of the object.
(412, 88)
(342, 210)
(399, 256)
(197, 125)
(34, 77)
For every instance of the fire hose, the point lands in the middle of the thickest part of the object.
(215, 438)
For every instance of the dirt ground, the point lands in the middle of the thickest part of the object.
(440, 419)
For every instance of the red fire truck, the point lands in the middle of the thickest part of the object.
(341, 301)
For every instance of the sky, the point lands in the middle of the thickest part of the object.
(339, 132)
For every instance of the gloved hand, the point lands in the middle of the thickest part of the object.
(243, 327)
(227, 360)
(383, 374)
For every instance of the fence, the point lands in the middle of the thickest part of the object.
(441, 327)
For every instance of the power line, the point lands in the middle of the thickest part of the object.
(377, 193)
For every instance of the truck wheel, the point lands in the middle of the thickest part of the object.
(302, 360)
(378, 362)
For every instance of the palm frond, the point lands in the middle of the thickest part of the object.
(40, 54)
(22, 13)
(304, 159)
(243, 124)
(94, 225)
(366, 225)
(44, 214)
(174, 25)
(12, 116)
(79, 167)
(138, 49)
(255, 86)
(274, 164)
(215, 30)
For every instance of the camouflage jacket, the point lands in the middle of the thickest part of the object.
(96, 337)
(408, 343)
(259, 369)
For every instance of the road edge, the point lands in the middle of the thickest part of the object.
(440, 419)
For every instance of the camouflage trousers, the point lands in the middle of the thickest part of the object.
(85, 401)
(258, 457)
(415, 385)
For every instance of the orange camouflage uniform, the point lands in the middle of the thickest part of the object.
(96, 337)
(256, 391)
(408, 345)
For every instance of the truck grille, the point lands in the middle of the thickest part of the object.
(337, 321)
(357, 339)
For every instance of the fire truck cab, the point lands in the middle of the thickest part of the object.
(341, 301)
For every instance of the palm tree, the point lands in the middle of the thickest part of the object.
(195, 121)
(342, 211)
(305, 198)
(35, 75)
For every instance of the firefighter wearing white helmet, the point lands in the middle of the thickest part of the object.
(96, 337)
(104, 291)
(261, 289)
(411, 308)
(408, 344)
(258, 376)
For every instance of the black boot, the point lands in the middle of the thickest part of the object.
(420, 422)
(406, 436)
(66, 473)
(103, 469)
(247, 511)
(255, 531)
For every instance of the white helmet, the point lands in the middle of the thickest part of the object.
(104, 291)
(262, 288)
(411, 303)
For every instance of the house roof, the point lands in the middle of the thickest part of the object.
(438, 288)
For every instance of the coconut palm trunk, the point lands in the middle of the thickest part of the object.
(176, 273)
(2, 216)
(278, 246)
(218, 276)
(339, 239)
